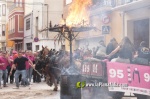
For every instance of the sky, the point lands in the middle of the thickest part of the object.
(68, 1)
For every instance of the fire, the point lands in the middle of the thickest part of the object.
(78, 12)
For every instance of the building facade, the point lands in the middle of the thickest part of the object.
(28, 33)
(38, 19)
(3, 14)
(16, 24)
(28, 22)
(136, 20)
(116, 18)
(99, 11)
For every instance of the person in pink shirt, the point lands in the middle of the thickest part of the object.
(28, 67)
(27, 63)
(4, 62)
(12, 58)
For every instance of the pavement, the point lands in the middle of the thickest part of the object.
(37, 90)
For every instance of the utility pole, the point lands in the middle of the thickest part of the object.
(47, 17)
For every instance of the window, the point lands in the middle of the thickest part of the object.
(37, 22)
(37, 47)
(17, 3)
(20, 3)
(3, 9)
(29, 46)
(0, 10)
(13, 24)
(28, 24)
(21, 23)
(3, 30)
(9, 26)
(18, 46)
(0, 30)
(3, 46)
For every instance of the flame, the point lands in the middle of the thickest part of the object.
(78, 12)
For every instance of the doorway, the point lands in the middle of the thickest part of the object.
(141, 32)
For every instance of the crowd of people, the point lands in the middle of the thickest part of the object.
(17, 67)
(123, 52)
(20, 66)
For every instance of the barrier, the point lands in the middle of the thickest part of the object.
(137, 77)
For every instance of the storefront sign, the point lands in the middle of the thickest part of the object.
(137, 77)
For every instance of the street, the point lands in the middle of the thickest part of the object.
(38, 90)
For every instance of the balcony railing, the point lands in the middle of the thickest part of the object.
(122, 2)
(15, 5)
(101, 3)
(12, 7)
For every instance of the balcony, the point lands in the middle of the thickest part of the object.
(126, 5)
(100, 6)
(15, 36)
(14, 6)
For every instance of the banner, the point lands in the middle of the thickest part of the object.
(137, 77)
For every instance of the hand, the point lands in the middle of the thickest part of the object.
(107, 56)
(14, 68)
(33, 66)
(10, 73)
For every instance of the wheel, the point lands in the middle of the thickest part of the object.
(139, 96)
(118, 95)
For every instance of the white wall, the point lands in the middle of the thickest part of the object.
(37, 12)
(55, 11)
(28, 6)
(40, 11)
(28, 33)
(2, 21)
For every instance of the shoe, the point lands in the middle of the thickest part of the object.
(15, 87)
(5, 86)
(11, 82)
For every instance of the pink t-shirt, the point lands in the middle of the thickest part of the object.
(11, 57)
(5, 61)
(31, 58)
(27, 63)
